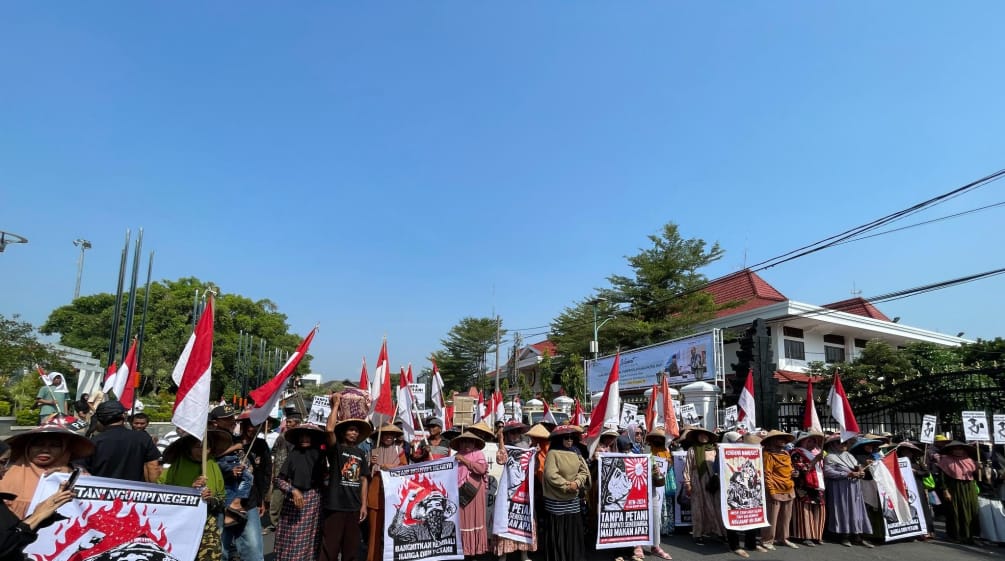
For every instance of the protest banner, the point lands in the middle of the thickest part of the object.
(422, 520)
(730, 416)
(999, 428)
(321, 407)
(628, 413)
(419, 391)
(975, 426)
(927, 433)
(742, 501)
(915, 525)
(114, 519)
(682, 506)
(689, 414)
(624, 517)
(514, 507)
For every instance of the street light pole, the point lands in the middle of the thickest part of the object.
(595, 343)
(84, 245)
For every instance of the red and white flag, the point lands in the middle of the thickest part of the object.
(654, 396)
(747, 415)
(364, 379)
(436, 395)
(666, 409)
(548, 416)
(578, 416)
(268, 395)
(405, 401)
(498, 407)
(192, 375)
(890, 482)
(607, 408)
(479, 413)
(383, 405)
(841, 410)
(811, 421)
(382, 371)
(121, 382)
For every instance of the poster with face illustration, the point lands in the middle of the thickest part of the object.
(928, 427)
(513, 516)
(422, 519)
(741, 473)
(623, 517)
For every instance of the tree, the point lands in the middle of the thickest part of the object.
(20, 351)
(462, 361)
(546, 376)
(86, 324)
(573, 378)
(662, 300)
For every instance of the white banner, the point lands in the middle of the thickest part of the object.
(113, 519)
(689, 414)
(624, 517)
(742, 500)
(928, 428)
(419, 391)
(684, 361)
(513, 517)
(681, 512)
(422, 518)
(730, 416)
(999, 428)
(916, 525)
(321, 407)
(628, 413)
(975, 426)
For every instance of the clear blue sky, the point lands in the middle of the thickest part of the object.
(389, 168)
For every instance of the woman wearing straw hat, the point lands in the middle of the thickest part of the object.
(808, 520)
(779, 489)
(301, 480)
(471, 470)
(566, 475)
(958, 468)
(846, 514)
(386, 455)
(701, 484)
(920, 473)
(46, 449)
(514, 434)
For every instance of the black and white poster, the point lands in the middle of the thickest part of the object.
(928, 427)
(422, 519)
(998, 430)
(513, 517)
(975, 426)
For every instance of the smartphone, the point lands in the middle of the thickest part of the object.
(72, 480)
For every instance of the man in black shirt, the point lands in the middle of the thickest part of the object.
(344, 501)
(121, 453)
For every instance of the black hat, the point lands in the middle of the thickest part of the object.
(221, 412)
(433, 422)
(291, 412)
(109, 412)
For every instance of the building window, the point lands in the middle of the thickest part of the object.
(834, 339)
(795, 350)
(860, 343)
(833, 354)
(792, 332)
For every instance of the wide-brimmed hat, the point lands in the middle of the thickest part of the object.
(538, 431)
(777, 434)
(859, 442)
(79, 446)
(657, 433)
(691, 434)
(452, 432)
(362, 425)
(909, 447)
(566, 430)
(610, 431)
(970, 449)
(482, 429)
(388, 428)
(803, 435)
(316, 433)
(467, 436)
(751, 438)
(219, 441)
(515, 426)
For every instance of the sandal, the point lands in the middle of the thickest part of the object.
(638, 554)
(234, 517)
(658, 552)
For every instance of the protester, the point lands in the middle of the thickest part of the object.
(246, 535)
(701, 484)
(52, 398)
(958, 469)
(472, 468)
(435, 446)
(280, 450)
(656, 439)
(348, 476)
(83, 408)
(514, 434)
(779, 489)
(15, 533)
(566, 478)
(388, 454)
(749, 536)
(301, 480)
(846, 514)
(46, 449)
(185, 457)
(921, 474)
(140, 422)
(808, 513)
(121, 453)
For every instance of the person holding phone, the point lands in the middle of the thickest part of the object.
(46, 449)
(15, 533)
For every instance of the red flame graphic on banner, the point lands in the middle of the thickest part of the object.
(101, 528)
(424, 487)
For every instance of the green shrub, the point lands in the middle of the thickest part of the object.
(27, 417)
(5, 407)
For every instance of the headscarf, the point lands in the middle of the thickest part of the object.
(699, 456)
(22, 478)
(304, 468)
(778, 472)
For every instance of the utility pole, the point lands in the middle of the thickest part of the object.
(84, 245)
(498, 329)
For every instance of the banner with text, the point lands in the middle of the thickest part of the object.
(684, 360)
(916, 525)
(321, 408)
(422, 520)
(624, 516)
(975, 426)
(999, 428)
(513, 517)
(742, 501)
(113, 519)
(928, 428)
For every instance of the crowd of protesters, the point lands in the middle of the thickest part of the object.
(319, 488)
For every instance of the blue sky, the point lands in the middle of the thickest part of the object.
(389, 168)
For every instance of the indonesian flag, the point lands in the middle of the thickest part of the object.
(479, 413)
(383, 406)
(364, 379)
(548, 416)
(810, 419)
(651, 408)
(436, 395)
(120, 382)
(192, 375)
(405, 405)
(666, 409)
(498, 407)
(890, 482)
(841, 410)
(382, 371)
(517, 409)
(578, 417)
(747, 415)
(268, 395)
(607, 408)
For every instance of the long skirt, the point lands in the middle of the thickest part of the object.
(846, 507)
(808, 521)
(964, 508)
(298, 533)
(706, 516)
(474, 529)
(564, 537)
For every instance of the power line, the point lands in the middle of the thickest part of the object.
(932, 221)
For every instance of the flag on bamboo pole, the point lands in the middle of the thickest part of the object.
(498, 407)
(747, 413)
(578, 416)
(192, 375)
(436, 391)
(547, 416)
(383, 407)
(364, 379)
(120, 383)
(651, 408)
(607, 408)
(670, 425)
(841, 410)
(382, 371)
(811, 421)
(405, 406)
(268, 395)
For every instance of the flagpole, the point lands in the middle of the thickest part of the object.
(118, 302)
(143, 316)
(131, 306)
(205, 451)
